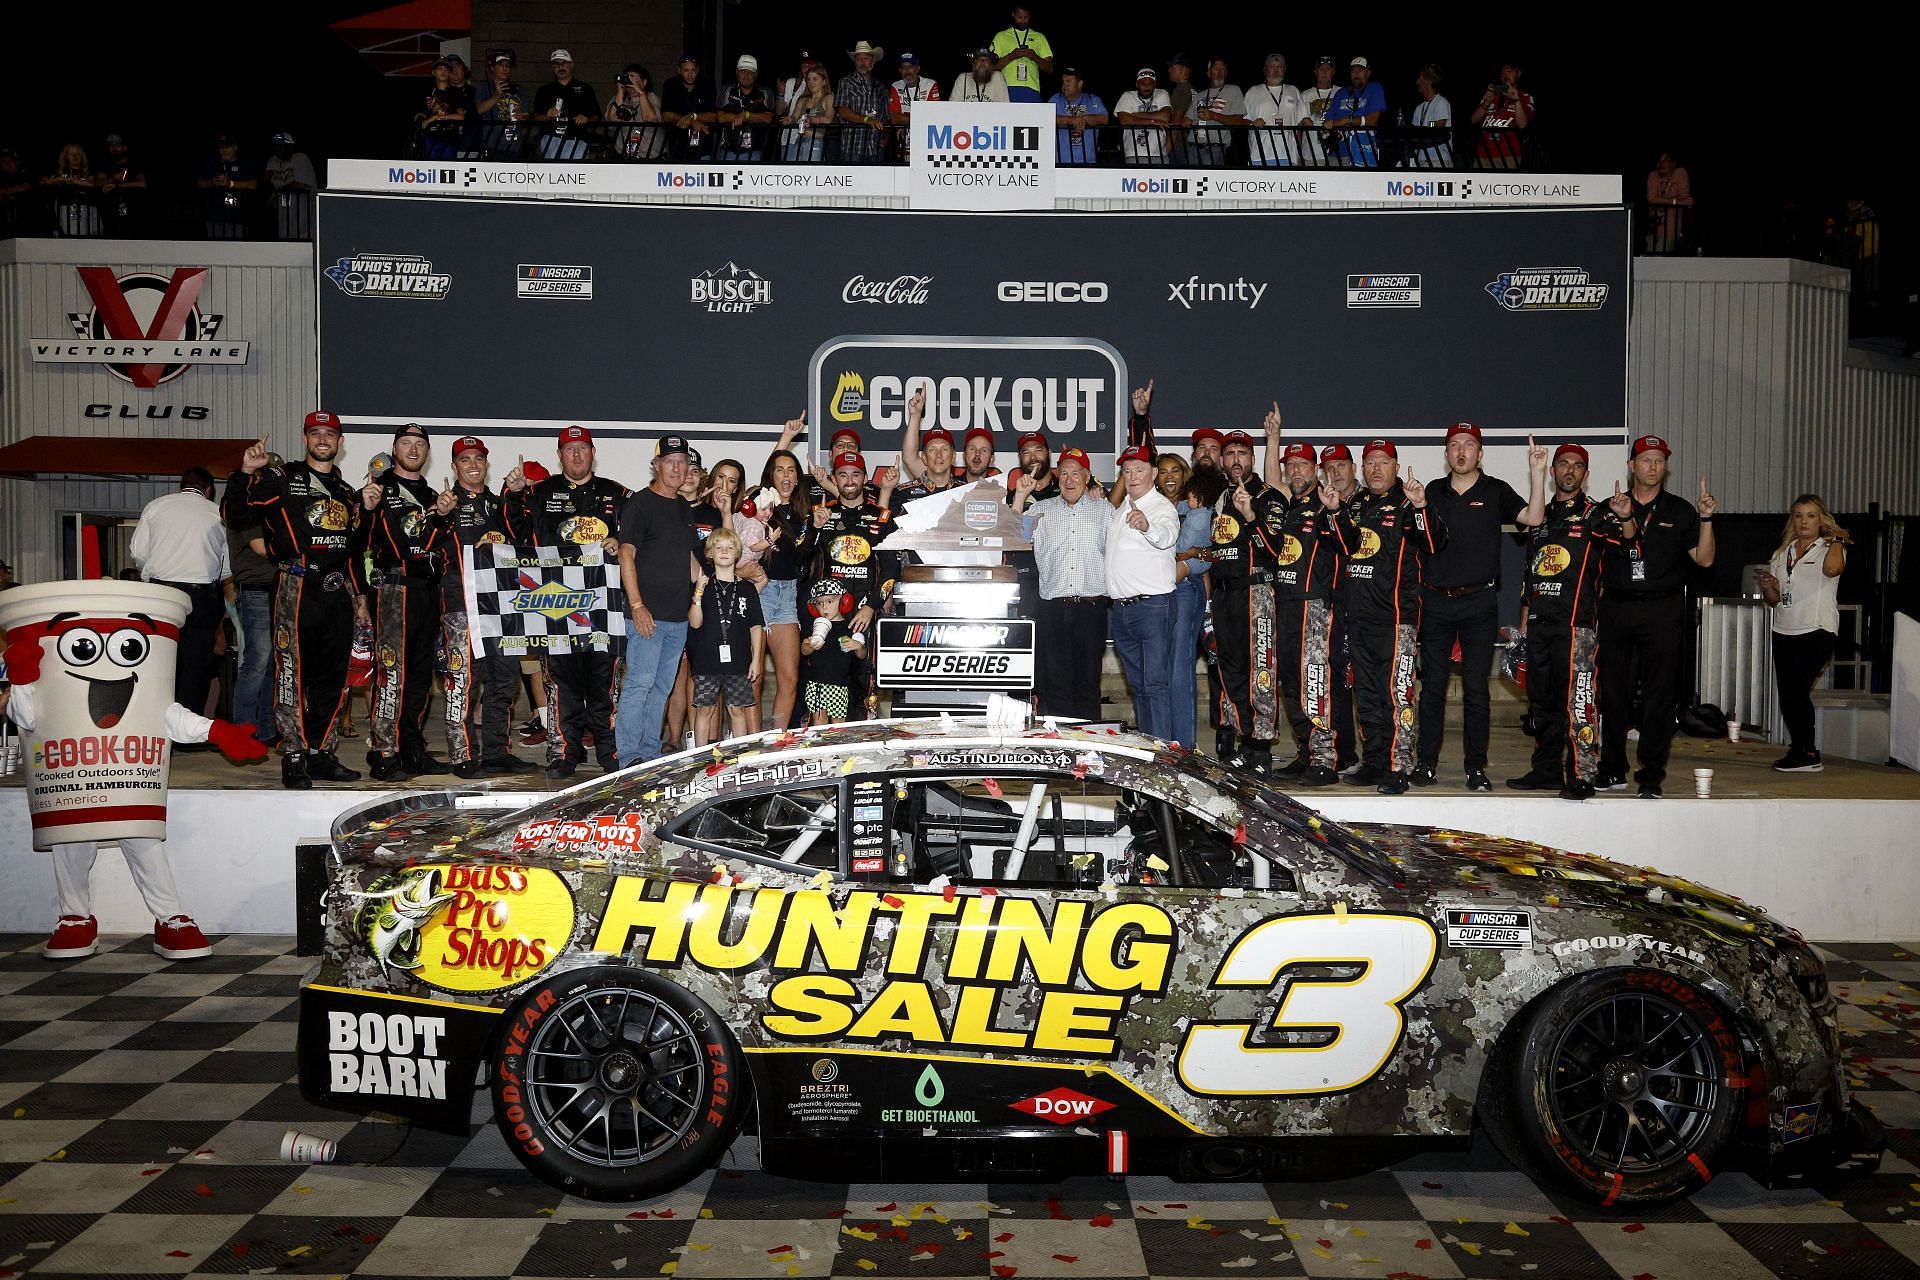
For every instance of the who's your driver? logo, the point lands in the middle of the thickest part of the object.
(390, 275)
(1548, 289)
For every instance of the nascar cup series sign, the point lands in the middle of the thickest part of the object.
(982, 155)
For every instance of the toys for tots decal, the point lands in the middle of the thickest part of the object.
(467, 928)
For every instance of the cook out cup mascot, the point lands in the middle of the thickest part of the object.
(91, 668)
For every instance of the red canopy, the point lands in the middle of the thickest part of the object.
(118, 456)
(405, 39)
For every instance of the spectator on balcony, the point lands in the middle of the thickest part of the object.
(790, 90)
(15, 184)
(1085, 115)
(634, 103)
(687, 105)
(860, 100)
(745, 115)
(442, 117)
(981, 84)
(117, 176)
(1316, 98)
(910, 88)
(1432, 112)
(1504, 106)
(500, 105)
(460, 79)
(1180, 99)
(1669, 196)
(70, 189)
(1354, 114)
(808, 118)
(1145, 111)
(291, 180)
(565, 103)
(1021, 54)
(1215, 103)
(1274, 105)
(223, 176)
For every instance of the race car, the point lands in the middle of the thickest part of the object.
(949, 949)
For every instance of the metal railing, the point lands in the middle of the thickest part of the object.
(1192, 146)
(135, 213)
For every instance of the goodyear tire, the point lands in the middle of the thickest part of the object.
(1628, 1086)
(615, 1084)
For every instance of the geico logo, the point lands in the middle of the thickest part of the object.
(374, 1054)
(958, 404)
(1053, 291)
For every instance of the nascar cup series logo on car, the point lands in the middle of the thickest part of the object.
(466, 928)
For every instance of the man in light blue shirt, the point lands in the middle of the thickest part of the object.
(1069, 536)
(1083, 113)
(1355, 112)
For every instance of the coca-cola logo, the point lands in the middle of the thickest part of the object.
(901, 290)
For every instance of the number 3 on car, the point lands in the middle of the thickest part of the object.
(1345, 1027)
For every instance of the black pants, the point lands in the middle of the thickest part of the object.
(312, 636)
(1475, 621)
(1640, 643)
(1346, 746)
(580, 694)
(1070, 639)
(193, 671)
(1383, 657)
(406, 625)
(1797, 663)
(1243, 634)
(1562, 694)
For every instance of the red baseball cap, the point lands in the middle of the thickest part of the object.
(1463, 429)
(321, 418)
(469, 444)
(853, 460)
(1301, 449)
(931, 434)
(1240, 438)
(1380, 446)
(1650, 442)
(575, 435)
(1572, 449)
(1207, 433)
(980, 432)
(1137, 453)
(1074, 453)
(1034, 437)
(1336, 453)
(844, 433)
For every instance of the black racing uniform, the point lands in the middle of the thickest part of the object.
(1565, 559)
(844, 549)
(404, 543)
(1384, 545)
(1240, 587)
(580, 685)
(1643, 624)
(309, 518)
(1462, 604)
(1306, 565)
(1346, 743)
(477, 517)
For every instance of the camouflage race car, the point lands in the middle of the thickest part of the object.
(938, 949)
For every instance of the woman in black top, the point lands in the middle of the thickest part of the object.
(788, 512)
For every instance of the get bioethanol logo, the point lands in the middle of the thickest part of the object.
(1548, 289)
(929, 1091)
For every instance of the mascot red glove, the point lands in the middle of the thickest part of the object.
(23, 653)
(236, 741)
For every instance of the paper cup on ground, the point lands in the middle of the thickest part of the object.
(1733, 730)
(98, 753)
(304, 1148)
(1703, 783)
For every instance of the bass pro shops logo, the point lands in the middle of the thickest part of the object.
(145, 327)
(1548, 289)
(390, 275)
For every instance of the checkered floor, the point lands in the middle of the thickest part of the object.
(142, 1105)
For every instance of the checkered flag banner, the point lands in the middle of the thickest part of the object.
(532, 600)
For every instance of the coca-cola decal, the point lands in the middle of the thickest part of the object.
(900, 291)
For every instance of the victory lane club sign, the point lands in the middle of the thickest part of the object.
(982, 155)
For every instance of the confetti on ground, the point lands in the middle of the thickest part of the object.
(1241, 1262)
(1634, 1228)
(866, 1264)
(1100, 1220)
(1515, 1229)
(1066, 1257)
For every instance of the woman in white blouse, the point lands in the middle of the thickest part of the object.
(1802, 583)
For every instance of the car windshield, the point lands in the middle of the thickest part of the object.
(1298, 818)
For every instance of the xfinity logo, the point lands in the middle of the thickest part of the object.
(901, 290)
(731, 289)
(1193, 289)
(1052, 291)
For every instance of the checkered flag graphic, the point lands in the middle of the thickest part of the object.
(541, 599)
(984, 162)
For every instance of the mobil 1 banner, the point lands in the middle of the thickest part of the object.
(514, 317)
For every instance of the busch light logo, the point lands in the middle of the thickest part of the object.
(1548, 289)
(731, 289)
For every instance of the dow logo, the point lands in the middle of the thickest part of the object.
(147, 328)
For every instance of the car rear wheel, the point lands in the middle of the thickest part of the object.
(615, 1084)
(1628, 1086)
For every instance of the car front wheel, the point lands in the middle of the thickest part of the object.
(1628, 1086)
(615, 1084)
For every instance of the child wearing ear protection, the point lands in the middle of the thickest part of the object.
(833, 653)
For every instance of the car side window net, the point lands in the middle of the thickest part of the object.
(795, 827)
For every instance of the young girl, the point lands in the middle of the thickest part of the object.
(726, 644)
(749, 521)
(833, 654)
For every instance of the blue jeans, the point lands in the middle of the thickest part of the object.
(1142, 636)
(253, 689)
(652, 663)
(1183, 691)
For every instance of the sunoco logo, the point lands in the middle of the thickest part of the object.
(1366, 292)
(400, 275)
(731, 289)
(1548, 289)
(145, 327)
(555, 601)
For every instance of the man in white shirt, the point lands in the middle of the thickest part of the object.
(1148, 111)
(1140, 543)
(181, 543)
(1436, 113)
(1275, 104)
(982, 84)
(1217, 103)
(1316, 98)
(1069, 536)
